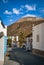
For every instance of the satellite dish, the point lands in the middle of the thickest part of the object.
(1, 34)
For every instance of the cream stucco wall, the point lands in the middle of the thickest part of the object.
(2, 49)
(38, 30)
(4, 30)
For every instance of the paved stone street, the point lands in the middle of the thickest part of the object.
(25, 58)
(10, 62)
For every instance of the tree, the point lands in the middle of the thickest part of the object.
(21, 38)
(9, 40)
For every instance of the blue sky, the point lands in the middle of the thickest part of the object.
(13, 10)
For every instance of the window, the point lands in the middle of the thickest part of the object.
(37, 38)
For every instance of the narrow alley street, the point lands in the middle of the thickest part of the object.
(25, 58)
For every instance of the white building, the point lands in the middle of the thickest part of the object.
(17, 40)
(3, 40)
(38, 38)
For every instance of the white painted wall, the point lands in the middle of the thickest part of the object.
(4, 30)
(17, 38)
(38, 30)
(2, 49)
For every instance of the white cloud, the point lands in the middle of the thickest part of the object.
(28, 7)
(5, 1)
(10, 20)
(42, 10)
(15, 11)
(22, 6)
(29, 15)
(7, 12)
